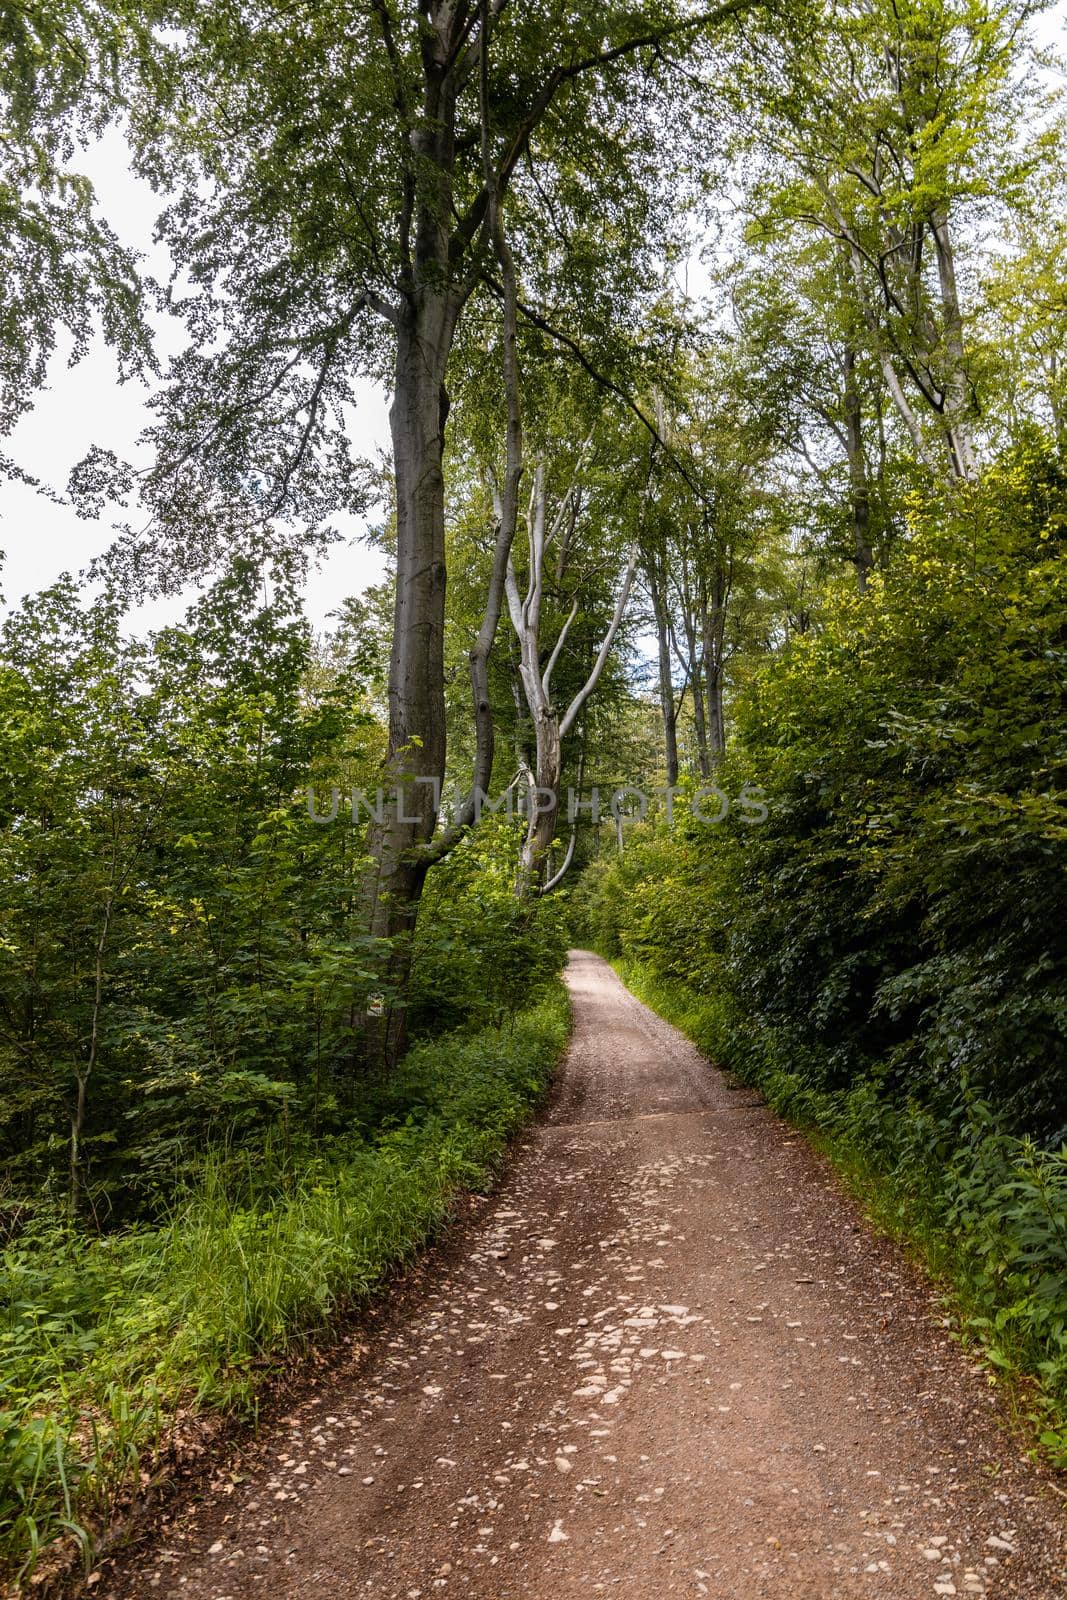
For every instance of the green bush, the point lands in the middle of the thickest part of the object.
(104, 1340)
(885, 955)
(902, 912)
(480, 952)
(987, 1208)
(177, 935)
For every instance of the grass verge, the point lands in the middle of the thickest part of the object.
(985, 1210)
(108, 1345)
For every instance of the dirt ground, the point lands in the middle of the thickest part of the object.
(667, 1357)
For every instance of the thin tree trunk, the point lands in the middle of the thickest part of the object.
(1051, 372)
(713, 602)
(668, 709)
(700, 722)
(550, 727)
(957, 401)
(85, 1074)
(695, 672)
(81, 1096)
(863, 555)
(905, 409)
(716, 720)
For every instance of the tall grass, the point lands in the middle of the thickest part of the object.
(106, 1342)
(985, 1209)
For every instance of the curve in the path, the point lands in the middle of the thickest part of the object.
(667, 1358)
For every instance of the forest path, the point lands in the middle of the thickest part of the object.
(667, 1357)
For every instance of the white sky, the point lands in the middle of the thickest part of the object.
(86, 405)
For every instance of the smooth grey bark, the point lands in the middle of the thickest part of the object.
(550, 725)
(424, 317)
(956, 404)
(542, 796)
(415, 758)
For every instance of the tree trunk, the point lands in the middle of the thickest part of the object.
(83, 1075)
(905, 410)
(957, 406)
(716, 720)
(863, 555)
(668, 710)
(550, 727)
(713, 600)
(542, 801)
(695, 672)
(700, 723)
(1053, 390)
(415, 760)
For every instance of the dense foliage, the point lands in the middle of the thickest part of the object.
(901, 911)
(182, 954)
(178, 952)
(886, 952)
(199, 1171)
(109, 1346)
(726, 352)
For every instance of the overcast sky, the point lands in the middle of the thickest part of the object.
(86, 405)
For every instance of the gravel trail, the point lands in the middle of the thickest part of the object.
(667, 1357)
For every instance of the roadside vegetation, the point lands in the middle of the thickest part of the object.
(727, 357)
(111, 1346)
(883, 956)
(201, 1172)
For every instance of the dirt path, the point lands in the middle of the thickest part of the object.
(667, 1358)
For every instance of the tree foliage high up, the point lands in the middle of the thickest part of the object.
(348, 185)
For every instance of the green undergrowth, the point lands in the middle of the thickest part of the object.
(985, 1210)
(107, 1345)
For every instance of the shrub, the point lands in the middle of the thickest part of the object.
(104, 1341)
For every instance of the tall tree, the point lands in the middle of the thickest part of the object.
(342, 172)
(1025, 295)
(892, 125)
(709, 522)
(797, 311)
(567, 535)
